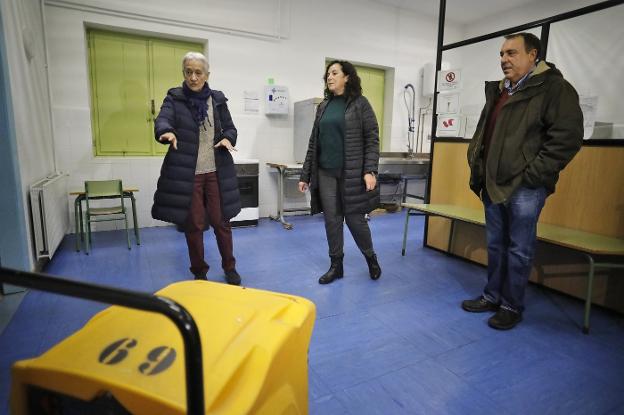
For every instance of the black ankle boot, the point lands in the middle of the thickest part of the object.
(334, 272)
(200, 274)
(374, 269)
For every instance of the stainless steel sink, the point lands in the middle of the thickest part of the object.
(403, 163)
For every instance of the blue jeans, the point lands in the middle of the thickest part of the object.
(511, 229)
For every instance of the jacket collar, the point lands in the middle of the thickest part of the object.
(349, 99)
(534, 77)
(178, 94)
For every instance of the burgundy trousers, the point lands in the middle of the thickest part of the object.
(206, 205)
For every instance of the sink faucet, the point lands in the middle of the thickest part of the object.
(410, 106)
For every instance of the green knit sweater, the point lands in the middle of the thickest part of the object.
(331, 134)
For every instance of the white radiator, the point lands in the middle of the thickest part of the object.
(50, 213)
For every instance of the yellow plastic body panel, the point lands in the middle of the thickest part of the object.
(254, 348)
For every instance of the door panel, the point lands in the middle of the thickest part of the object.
(373, 85)
(120, 85)
(167, 73)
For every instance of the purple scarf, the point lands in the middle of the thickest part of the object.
(198, 100)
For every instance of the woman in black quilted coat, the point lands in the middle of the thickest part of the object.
(340, 167)
(198, 185)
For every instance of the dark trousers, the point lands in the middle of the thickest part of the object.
(511, 232)
(331, 200)
(206, 204)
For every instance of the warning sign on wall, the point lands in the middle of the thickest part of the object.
(449, 80)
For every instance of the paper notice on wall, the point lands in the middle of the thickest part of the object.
(252, 101)
(448, 103)
(589, 106)
(471, 122)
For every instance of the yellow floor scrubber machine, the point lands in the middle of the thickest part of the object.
(194, 347)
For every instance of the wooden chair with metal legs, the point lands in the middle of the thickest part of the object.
(104, 189)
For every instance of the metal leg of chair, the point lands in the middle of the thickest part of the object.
(87, 224)
(127, 231)
(81, 224)
(407, 216)
(135, 219)
(77, 230)
(588, 296)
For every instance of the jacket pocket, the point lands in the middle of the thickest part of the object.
(476, 175)
(511, 164)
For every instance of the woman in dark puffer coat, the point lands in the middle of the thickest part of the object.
(198, 181)
(340, 167)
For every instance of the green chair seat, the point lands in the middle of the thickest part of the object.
(113, 210)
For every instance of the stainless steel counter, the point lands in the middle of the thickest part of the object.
(403, 163)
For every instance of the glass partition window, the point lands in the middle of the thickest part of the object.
(590, 53)
(587, 50)
(477, 63)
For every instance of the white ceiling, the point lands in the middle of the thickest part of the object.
(463, 12)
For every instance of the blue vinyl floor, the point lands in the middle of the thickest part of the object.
(399, 345)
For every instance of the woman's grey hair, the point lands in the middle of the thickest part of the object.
(195, 56)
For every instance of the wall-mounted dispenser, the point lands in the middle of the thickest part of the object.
(276, 99)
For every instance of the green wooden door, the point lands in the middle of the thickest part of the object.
(121, 91)
(167, 73)
(130, 76)
(373, 85)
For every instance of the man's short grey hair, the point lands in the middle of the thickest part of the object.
(195, 56)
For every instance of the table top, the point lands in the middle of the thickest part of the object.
(245, 161)
(465, 214)
(82, 192)
(278, 164)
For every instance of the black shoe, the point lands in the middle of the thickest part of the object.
(479, 305)
(374, 270)
(335, 271)
(200, 275)
(504, 319)
(232, 277)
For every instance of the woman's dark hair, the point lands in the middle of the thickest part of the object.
(353, 87)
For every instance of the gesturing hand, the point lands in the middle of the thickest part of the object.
(303, 186)
(225, 143)
(171, 138)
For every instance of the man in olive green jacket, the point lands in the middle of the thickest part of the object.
(530, 128)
